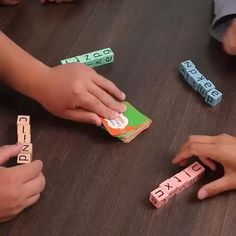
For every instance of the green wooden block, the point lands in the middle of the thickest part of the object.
(69, 60)
(93, 59)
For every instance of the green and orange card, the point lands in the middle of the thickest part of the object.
(127, 125)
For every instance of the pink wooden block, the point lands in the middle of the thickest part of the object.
(194, 172)
(169, 187)
(158, 197)
(180, 181)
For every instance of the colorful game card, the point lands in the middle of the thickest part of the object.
(127, 125)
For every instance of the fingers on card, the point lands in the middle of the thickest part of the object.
(127, 125)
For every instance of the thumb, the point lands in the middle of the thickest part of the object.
(81, 115)
(218, 186)
(8, 151)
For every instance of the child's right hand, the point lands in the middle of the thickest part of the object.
(222, 149)
(20, 186)
(77, 92)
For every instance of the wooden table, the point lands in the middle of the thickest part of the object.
(97, 185)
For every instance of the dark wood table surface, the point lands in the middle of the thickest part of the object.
(97, 185)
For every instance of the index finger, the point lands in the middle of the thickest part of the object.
(27, 172)
(197, 149)
(109, 87)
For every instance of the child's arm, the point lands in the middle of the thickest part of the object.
(72, 91)
(224, 24)
(211, 149)
(20, 186)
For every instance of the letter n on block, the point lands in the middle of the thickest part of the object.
(194, 172)
(158, 197)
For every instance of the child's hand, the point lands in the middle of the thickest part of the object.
(222, 149)
(229, 39)
(9, 2)
(76, 92)
(56, 1)
(20, 186)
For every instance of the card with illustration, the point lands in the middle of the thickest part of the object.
(129, 123)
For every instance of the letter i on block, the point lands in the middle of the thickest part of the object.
(193, 172)
(180, 181)
(158, 197)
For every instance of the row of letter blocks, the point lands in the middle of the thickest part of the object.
(199, 83)
(176, 184)
(24, 137)
(93, 59)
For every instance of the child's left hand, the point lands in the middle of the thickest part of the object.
(56, 1)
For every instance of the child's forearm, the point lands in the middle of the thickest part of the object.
(20, 70)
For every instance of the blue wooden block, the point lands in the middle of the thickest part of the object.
(205, 86)
(213, 97)
(194, 77)
(184, 66)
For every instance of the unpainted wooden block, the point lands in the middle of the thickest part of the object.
(24, 158)
(23, 129)
(169, 187)
(27, 148)
(24, 138)
(23, 120)
(158, 197)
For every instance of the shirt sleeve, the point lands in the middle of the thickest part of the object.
(225, 11)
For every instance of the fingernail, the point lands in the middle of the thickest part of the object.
(202, 194)
(97, 123)
(123, 96)
(19, 144)
(124, 107)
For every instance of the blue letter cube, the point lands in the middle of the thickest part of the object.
(184, 66)
(205, 86)
(213, 97)
(194, 77)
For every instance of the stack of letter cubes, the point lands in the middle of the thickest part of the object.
(176, 184)
(93, 59)
(199, 83)
(24, 137)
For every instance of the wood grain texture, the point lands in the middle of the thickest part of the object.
(97, 185)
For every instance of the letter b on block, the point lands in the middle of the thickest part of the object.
(23, 158)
